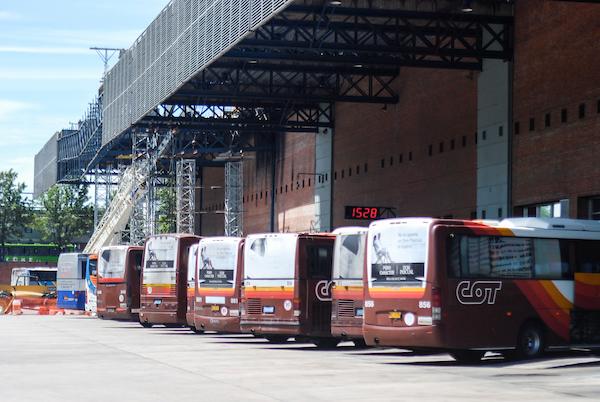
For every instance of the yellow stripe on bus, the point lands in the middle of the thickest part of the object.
(556, 295)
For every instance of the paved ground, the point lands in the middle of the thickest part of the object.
(46, 358)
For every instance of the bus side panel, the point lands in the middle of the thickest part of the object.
(71, 299)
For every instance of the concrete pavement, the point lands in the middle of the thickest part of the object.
(75, 358)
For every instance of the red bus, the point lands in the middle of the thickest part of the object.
(347, 289)
(220, 270)
(286, 290)
(191, 285)
(164, 280)
(520, 286)
(118, 289)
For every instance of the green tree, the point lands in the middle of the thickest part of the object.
(167, 219)
(15, 211)
(65, 215)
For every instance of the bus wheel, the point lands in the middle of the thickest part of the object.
(326, 343)
(359, 343)
(530, 342)
(198, 331)
(467, 356)
(146, 324)
(277, 338)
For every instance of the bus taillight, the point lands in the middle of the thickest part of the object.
(436, 304)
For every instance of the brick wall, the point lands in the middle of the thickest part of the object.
(413, 151)
(557, 69)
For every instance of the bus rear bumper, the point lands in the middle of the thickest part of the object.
(166, 317)
(403, 337)
(218, 324)
(347, 331)
(271, 327)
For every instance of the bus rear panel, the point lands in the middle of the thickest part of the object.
(164, 279)
(220, 270)
(347, 290)
(118, 293)
(70, 281)
(287, 286)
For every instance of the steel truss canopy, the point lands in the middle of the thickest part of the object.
(286, 57)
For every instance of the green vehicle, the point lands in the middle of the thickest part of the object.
(31, 252)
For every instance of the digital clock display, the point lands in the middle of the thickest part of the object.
(364, 213)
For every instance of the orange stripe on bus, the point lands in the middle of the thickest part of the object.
(216, 291)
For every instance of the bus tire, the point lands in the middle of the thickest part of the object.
(277, 338)
(146, 324)
(530, 342)
(326, 343)
(467, 356)
(197, 331)
(359, 343)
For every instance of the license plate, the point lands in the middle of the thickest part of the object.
(268, 309)
(157, 301)
(110, 310)
(214, 308)
(395, 315)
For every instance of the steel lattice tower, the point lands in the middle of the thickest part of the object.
(234, 189)
(186, 199)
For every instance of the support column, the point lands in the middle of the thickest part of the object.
(493, 139)
(186, 195)
(234, 190)
(323, 163)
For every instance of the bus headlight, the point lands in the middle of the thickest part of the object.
(409, 319)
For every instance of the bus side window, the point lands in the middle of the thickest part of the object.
(82, 269)
(551, 258)
(454, 256)
(587, 256)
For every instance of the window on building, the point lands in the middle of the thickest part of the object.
(303, 183)
(500, 131)
(563, 116)
(582, 110)
(430, 150)
(555, 209)
(483, 214)
(589, 208)
(476, 139)
(342, 174)
(383, 163)
(400, 158)
(484, 135)
(357, 169)
(464, 141)
(452, 144)
(410, 155)
(391, 160)
(335, 175)
(366, 168)
(547, 120)
(349, 172)
(517, 127)
(531, 124)
(499, 212)
(309, 182)
(441, 147)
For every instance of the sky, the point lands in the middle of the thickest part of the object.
(48, 75)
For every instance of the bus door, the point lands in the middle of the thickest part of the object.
(133, 278)
(91, 281)
(319, 261)
(585, 318)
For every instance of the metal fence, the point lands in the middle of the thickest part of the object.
(185, 37)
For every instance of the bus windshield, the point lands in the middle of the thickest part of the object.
(397, 254)
(112, 263)
(349, 255)
(159, 260)
(42, 277)
(270, 257)
(217, 263)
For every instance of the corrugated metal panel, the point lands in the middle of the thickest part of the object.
(185, 37)
(45, 167)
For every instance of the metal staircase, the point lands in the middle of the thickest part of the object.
(132, 188)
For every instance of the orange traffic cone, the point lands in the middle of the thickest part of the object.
(16, 307)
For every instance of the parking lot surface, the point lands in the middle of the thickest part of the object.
(52, 358)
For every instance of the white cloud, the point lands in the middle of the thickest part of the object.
(8, 108)
(9, 16)
(43, 50)
(50, 74)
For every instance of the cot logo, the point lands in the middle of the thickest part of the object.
(323, 290)
(478, 292)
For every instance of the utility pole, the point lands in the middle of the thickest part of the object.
(106, 54)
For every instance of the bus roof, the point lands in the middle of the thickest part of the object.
(552, 224)
(350, 230)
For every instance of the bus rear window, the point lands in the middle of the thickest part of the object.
(507, 257)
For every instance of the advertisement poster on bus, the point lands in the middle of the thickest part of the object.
(217, 263)
(270, 257)
(397, 255)
(159, 260)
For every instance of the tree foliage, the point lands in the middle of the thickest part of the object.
(65, 215)
(167, 219)
(15, 211)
